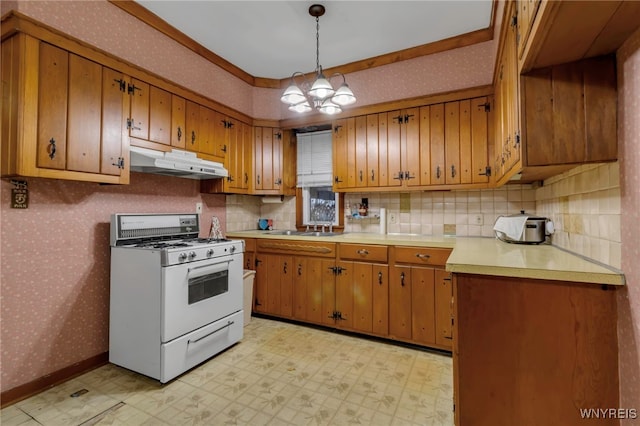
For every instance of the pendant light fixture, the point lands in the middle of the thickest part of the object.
(320, 94)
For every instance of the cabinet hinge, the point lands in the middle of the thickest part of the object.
(486, 106)
(514, 20)
(122, 84)
(131, 89)
(487, 171)
(336, 128)
(278, 135)
(119, 163)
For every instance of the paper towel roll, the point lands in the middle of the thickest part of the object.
(383, 221)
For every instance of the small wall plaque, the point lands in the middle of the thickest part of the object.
(19, 194)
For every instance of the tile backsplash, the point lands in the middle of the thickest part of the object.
(583, 203)
(460, 213)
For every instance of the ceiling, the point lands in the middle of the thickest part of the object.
(272, 39)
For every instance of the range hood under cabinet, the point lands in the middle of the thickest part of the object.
(176, 163)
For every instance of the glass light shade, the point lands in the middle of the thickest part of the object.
(293, 95)
(344, 95)
(330, 108)
(321, 88)
(300, 107)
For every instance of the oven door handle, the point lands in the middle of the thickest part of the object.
(201, 271)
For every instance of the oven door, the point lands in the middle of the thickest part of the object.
(198, 293)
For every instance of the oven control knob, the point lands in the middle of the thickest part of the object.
(209, 252)
(182, 257)
(192, 255)
(232, 249)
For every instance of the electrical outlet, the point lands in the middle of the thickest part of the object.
(393, 219)
(198, 207)
(478, 219)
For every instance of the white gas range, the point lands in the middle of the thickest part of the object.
(176, 299)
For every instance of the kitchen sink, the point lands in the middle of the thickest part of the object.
(318, 234)
(285, 232)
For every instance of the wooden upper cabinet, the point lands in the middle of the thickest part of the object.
(273, 158)
(63, 113)
(570, 113)
(436, 146)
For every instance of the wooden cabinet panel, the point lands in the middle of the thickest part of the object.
(261, 280)
(192, 126)
(400, 302)
(206, 118)
(159, 116)
(424, 154)
(361, 170)
(423, 319)
(443, 308)
(269, 155)
(52, 107)
(84, 115)
(394, 147)
(286, 286)
(114, 106)
(247, 157)
(309, 287)
(478, 156)
(570, 113)
(437, 149)
(384, 178)
(452, 135)
(339, 143)
(372, 149)
(178, 121)
(352, 180)
(380, 296)
(363, 252)
(348, 284)
(139, 114)
(533, 351)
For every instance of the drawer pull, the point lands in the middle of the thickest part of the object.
(362, 252)
(402, 279)
(422, 256)
(229, 324)
(380, 278)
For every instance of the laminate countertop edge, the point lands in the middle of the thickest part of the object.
(484, 256)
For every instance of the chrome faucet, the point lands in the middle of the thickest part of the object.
(315, 226)
(331, 227)
(323, 228)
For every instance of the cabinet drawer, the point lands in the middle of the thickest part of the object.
(305, 248)
(422, 255)
(363, 252)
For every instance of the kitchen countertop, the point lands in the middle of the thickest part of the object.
(483, 256)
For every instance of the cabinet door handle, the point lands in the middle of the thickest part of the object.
(400, 176)
(380, 278)
(179, 133)
(52, 148)
(224, 148)
(299, 269)
(360, 175)
(284, 268)
(362, 252)
(422, 256)
(258, 177)
(193, 137)
(438, 172)
(453, 171)
(402, 279)
(337, 180)
(246, 178)
(373, 175)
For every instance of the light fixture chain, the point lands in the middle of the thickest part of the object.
(317, 44)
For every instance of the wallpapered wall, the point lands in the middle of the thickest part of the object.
(629, 154)
(59, 315)
(55, 265)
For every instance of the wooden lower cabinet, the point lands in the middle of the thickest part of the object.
(358, 288)
(362, 297)
(533, 352)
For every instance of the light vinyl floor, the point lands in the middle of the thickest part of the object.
(279, 374)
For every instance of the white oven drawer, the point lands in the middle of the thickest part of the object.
(183, 353)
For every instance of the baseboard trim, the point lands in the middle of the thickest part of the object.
(38, 385)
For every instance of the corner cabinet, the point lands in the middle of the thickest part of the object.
(552, 118)
(63, 115)
(444, 145)
(274, 156)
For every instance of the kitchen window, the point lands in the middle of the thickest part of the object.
(320, 205)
